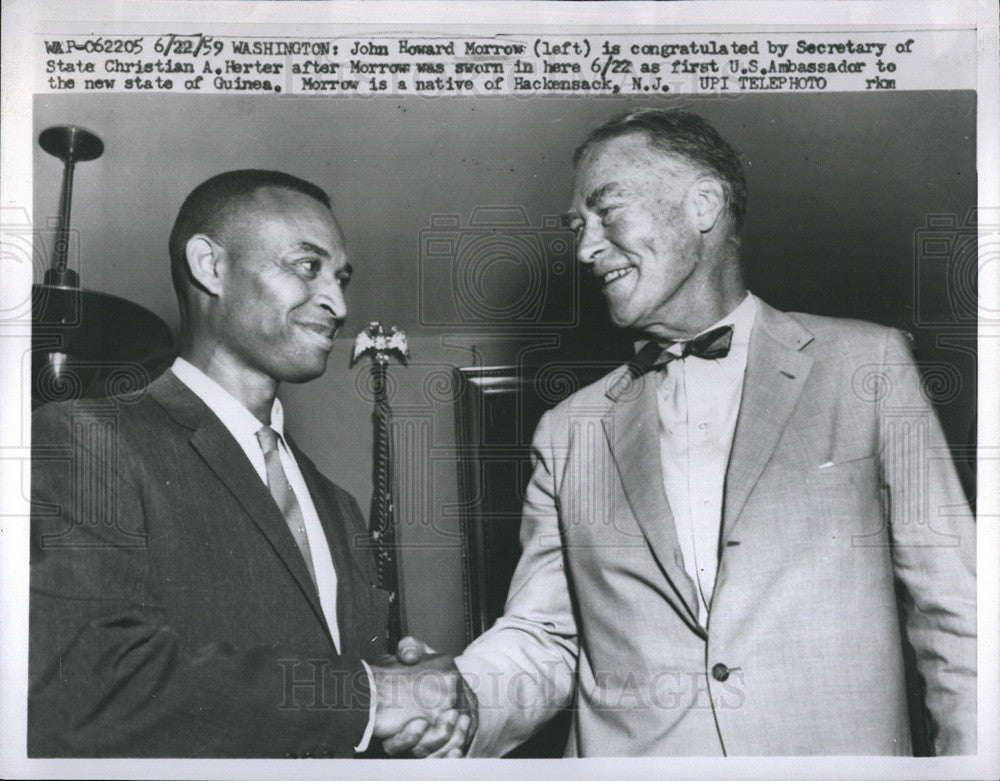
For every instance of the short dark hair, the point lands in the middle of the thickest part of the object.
(215, 201)
(684, 134)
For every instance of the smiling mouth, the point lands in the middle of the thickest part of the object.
(615, 274)
(321, 331)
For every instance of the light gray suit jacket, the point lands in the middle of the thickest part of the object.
(840, 489)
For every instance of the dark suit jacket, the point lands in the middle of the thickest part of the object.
(171, 611)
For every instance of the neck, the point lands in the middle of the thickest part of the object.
(253, 390)
(704, 299)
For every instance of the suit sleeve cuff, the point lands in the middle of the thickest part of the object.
(366, 738)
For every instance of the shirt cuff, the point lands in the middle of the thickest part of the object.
(366, 738)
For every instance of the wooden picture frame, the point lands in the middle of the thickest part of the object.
(496, 411)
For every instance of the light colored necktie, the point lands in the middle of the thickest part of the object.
(282, 492)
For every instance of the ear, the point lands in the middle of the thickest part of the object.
(708, 202)
(205, 259)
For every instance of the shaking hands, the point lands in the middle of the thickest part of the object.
(424, 707)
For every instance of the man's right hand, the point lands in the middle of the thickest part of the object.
(424, 707)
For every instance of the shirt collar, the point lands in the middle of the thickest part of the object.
(741, 319)
(240, 422)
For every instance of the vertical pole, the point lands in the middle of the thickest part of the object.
(59, 274)
(383, 520)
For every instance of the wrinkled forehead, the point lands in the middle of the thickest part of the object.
(627, 162)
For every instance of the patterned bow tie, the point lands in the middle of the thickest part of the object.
(710, 345)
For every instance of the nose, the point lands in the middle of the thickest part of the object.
(330, 295)
(590, 241)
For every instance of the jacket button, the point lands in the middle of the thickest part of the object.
(720, 672)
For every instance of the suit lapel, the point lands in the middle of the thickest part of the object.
(223, 455)
(633, 434)
(351, 580)
(775, 375)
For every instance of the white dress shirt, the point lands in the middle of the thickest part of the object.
(698, 402)
(242, 424)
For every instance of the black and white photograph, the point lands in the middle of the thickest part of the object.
(611, 384)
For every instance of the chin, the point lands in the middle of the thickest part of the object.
(621, 319)
(303, 371)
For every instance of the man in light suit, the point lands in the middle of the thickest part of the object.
(713, 535)
(198, 588)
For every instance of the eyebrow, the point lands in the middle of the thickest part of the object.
(611, 188)
(308, 246)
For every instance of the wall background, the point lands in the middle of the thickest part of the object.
(841, 189)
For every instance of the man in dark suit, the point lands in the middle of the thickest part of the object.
(198, 588)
